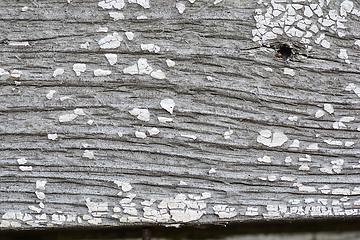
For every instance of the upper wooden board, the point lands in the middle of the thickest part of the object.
(178, 112)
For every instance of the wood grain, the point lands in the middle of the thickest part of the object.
(248, 92)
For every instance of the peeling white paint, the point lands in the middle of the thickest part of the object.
(212, 171)
(165, 119)
(85, 45)
(40, 184)
(153, 132)
(79, 111)
(19, 44)
(141, 114)
(79, 68)
(295, 144)
(101, 73)
(40, 195)
(171, 63)
(117, 16)
(265, 159)
(50, 95)
(109, 4)
(180, 7)
(227, 134)
(329, 108)
(277, 140)
(67, 117)
(158, 74)
(140, 135)
(189, 136)
(112, 58)
(52, 136)
(125, 186)
(289, 71)
(168, 105)
(313, 147)
(26, 168)
(110, 41)
(223, 211)
(88, 154)
(21, 161)
(58, 72)
(150, 47)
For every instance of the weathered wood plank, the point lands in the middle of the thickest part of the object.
(252, 136)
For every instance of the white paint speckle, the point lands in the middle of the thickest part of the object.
(340, 191)
(168, 105)
(295, 144)
(189, 136)
(90, 122)
(212, 171)
(288, 159)
(307, 189)
(142, 114)
(100, 72)
(129, 35)
(158, 74)
(40, 184)
(217, 1)
(125, 186)
(40, 195)
(109, 4)
(277, 140)
(112, 58)
(165, 119)
(313, 147)
(110, 41)
(170, 63)
(52, 136)
(227, 134)
(58, 72)
(88, 154)
(153, 132)
(79, 68)
(289, 71)
(26, 168)
(319, 113)
(265, 159)
(293, 118)
(19, 44)
(67, 117)
(103, 29)
(79, 111)
(329, 108)
(21, 161)
(180, 7)
(117, 16)
(140, 135)
(85, 45)
(223, 211)
(150, 47)
(304, 167)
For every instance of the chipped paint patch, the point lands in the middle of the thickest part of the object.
(52, 136)
(88, 154)
(67, 117)
(112, 58)
(50, 95)
(170, 63)
(265, 159)
(168, 105)
(165, 119)
(141, 114)
(101, 73)
(58, 72)
(158, 74)
(110, 41)
(79, 68)
(278, 138)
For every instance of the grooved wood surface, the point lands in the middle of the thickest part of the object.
(252, 136)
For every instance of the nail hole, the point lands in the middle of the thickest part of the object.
(284, 52)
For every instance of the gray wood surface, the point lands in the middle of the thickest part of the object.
(252, 136)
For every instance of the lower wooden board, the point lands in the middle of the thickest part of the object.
(120, 114)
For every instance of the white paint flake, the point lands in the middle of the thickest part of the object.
(50, 95)
(289, 71)
(251, 211)
(40, 195)
(79, 68)
(101, 73)
(168, 105)
(19, 44)
(319, 113)
(180, 7)
(103, 29)
(141, 17)
(58, 72)
(40, 184)
(329, 108)
(21, 161)
(88, 154)
(110, 41)
(333, 142)
(307, 189)
(288, 159)
(85, 45)
(188, 136)
(142, 114)
(52, 136)
(142, 67)
(304, 167)
(287, 179)
(79, 111)
(223, 211)
(117, 16)
(158, 74)
(67, 117)
(293, 118)
(35, 209)
(295, 144)
(140, 135)
(90, 122)
(125, 186)
(109, 4)
(153, 132)
(340, 191)
(150, 47)
(346, 7)
(129, 35)
(277, 140)
(165, 119)
(227, 134)
(217, 1)
(171, 63)
(313, 147)
(306, 159)
(112, 58)
(26, 168)
(265, 159)
(212, 171)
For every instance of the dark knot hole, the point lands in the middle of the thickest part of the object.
(284, 51)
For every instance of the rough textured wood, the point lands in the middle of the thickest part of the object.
(224, 79)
